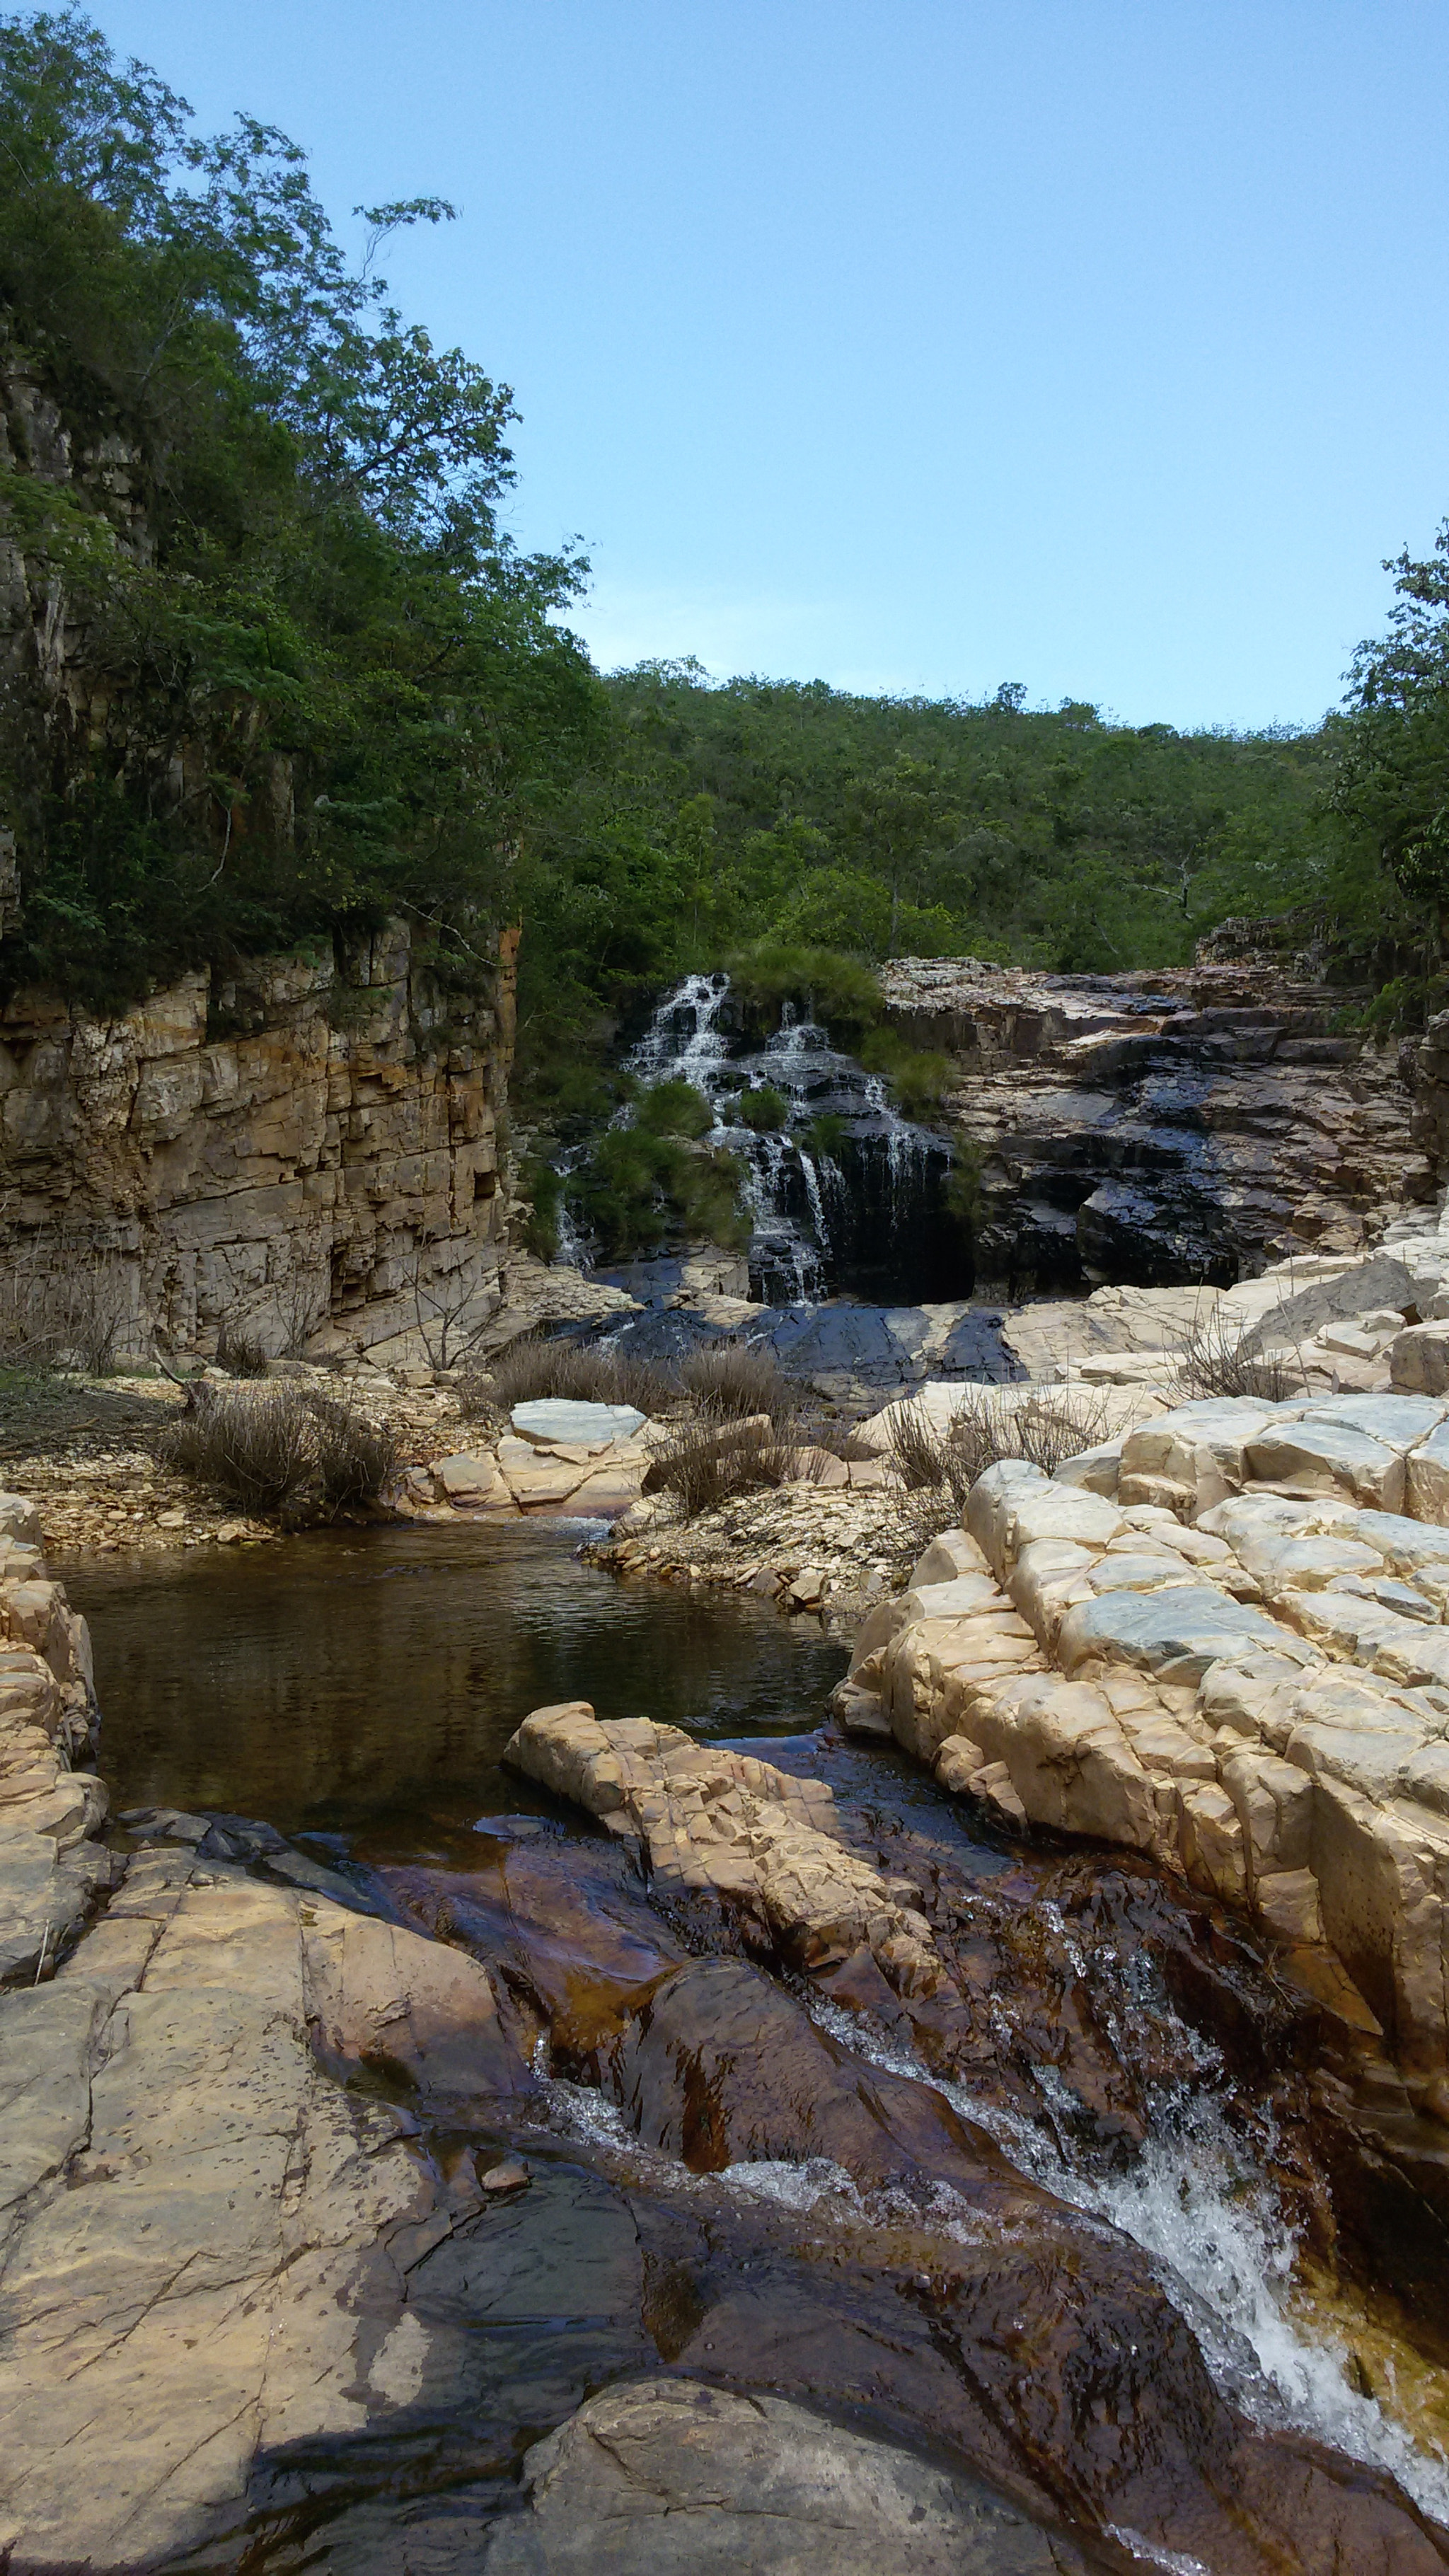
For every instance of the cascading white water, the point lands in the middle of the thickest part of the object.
(796, 1191)
(1200, 2206)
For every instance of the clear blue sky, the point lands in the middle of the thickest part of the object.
(922, 344)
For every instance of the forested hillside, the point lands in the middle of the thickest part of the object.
(797, 816)
(274, 669)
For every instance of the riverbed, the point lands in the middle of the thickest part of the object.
(1129, 2049)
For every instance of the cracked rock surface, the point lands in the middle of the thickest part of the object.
(205, 2240)
(1221, 1640)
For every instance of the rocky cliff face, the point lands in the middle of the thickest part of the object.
(312, 1148)
(1160, 1128)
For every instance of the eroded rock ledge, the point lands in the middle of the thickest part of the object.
(1233, 1658)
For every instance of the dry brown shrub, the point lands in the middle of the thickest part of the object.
(63, 1306)
(241, 1348)
(355, 1457)
(1046, 1428)
(841, 1438)
(280, 1448)
(1212, 1362)
(731, 1380)
(584, 1372)
(707, 1463)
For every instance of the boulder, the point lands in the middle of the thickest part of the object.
(1174, 1634)
(670, 2477)
(383, 2002)
(547, 1420)
(219, 2271)
(951, 1553)
(473, 1480)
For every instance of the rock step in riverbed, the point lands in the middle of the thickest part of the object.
(260, 2302)
(1222, 1641)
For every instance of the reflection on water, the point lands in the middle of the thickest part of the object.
(353, 1675)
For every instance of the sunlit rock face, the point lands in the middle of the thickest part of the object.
(310, 1149)
(1229, 1653)
(1152, 1129)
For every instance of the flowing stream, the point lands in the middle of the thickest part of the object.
(355, 1690)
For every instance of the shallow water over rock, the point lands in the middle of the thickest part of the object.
(944, 2220)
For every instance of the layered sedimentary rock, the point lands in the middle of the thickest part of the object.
(310, 1148)
(1220, 1640)
(727, 1827)
(51, 1871)
(1159, 1128)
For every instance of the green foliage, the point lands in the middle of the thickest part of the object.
(542, 1186)
(840, 990)
(639, 1192)
(321, 683)
(651, 1186)
(824, 1137)
(763, 1109)
(799, 835)
(673, 1109)
(1390, 793)
(918, 1078)
(961, 1195)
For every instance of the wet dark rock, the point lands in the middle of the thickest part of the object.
(719, 2065)
(840, 1345)
(1161, 1128)
(261, 1848)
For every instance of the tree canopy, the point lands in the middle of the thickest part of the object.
(308, 678)
(274, 667)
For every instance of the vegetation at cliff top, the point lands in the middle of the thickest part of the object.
(308, 680)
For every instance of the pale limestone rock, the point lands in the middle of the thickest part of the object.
(1427, 1478)
(1419, 1359)
(197, 2252)
(1174, 1633)
(19, 1519)
(1097, 1470)
(551, 1421)
(731, 1829)
(1292, 1759)
(1328, 1457)
(1198, 1451)
(473, 1481)
(950, 1553)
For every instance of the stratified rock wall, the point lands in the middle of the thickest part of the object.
(1220, 1641)
(313, 1148)
(1161, 1128)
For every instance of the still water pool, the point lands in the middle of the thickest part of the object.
(354, 1676)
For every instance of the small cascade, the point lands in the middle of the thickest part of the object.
(845, 1193)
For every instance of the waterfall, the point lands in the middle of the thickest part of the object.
(858, 1208)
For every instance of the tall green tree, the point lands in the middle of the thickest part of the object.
(312, 679)
(1391, 791)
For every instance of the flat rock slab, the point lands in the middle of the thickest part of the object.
(556, 1418)
(667, 2477)
(207, 2241)
(1174, 1634)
